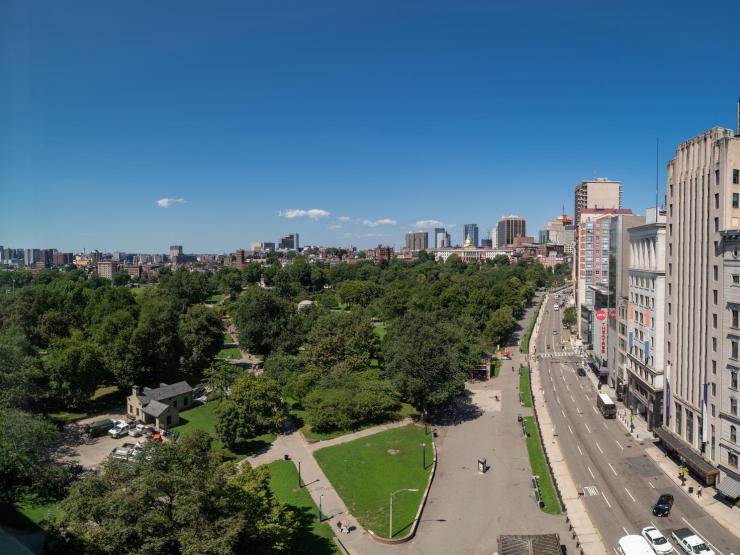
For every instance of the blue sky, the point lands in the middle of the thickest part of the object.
(379, 113)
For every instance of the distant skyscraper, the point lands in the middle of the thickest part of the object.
(441, 238)
(486, 243)
(470, 234)
(598, 193)
(289, 242)
(240, 258)
(417, 240)
(509, 227)
(176, 254)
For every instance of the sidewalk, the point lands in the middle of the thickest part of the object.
(589, 537)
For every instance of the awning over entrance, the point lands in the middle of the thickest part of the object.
(693, 460)
(729, 487)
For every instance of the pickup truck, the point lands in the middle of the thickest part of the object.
(691, 543)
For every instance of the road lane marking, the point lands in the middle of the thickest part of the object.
(592, 408)
(589, 429)
(615, 472)
(579, 450)
(572, 399)
(591, 473)
(605, 426)
(625, 530)
(605, 499)
(571, 429)
(698, 534)
(599, 447)
(628, 493)
(561, 410)
(620, 445)
(652, 486)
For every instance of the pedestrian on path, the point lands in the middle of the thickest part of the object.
(698, 492)
(339, 526)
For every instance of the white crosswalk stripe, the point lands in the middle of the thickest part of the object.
(590, 491)
(558, 354)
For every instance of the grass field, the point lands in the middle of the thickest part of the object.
(313, 536)
(215, 299)
(525, 393)
(367, 470)
(203, 418)
(229, 352)
(228, 340)
(27, 515)
(539, 467)
(380, 330)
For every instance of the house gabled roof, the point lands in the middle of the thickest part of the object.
(155, 408)
(165, 392)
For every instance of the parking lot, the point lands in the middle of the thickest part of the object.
(75, 445)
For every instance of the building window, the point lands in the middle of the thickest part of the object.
(733, 434)
(185, 401)
(733, 347)
(716, 273)
(714, 389)
(736, 200)
(733, 379)
(671, 188)
(736, 177)
(670, 269)
(668, 345)
(733, 406)
(670, 249)
(714, 410)
(735, 279)
(714, 321)
(732, 460)
(714, 345)
(669, 309)
(131, 409)
(714, 367)
(716, 220)
(735, 318)
(670, 230)
(169, 419)
(716, 177)
(716, 200)
(714, 295)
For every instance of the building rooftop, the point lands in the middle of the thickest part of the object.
(164, 391)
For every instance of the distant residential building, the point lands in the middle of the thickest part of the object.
(702, 319)
(600, 193)
(133, 270)
(31, 256)
(521, 240)
(644, 319)
(509, 227)
(383, 252)
(241, 258)
(62, 258)
(106, 268)
(470, 235)
(486, 243)
(289, 242)
(417, 241)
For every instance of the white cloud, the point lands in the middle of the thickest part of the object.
(167, 202)
(432, 223)
(313, 213)
(375, 235)
(344, 218)
(376, 223)
(335, 226)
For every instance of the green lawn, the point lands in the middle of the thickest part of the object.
(299, 415)
(105, 398)
(380, 330)
(539, 467)
(215, 299)
(228, 340)
(27, 515)
(313, 536)
(203, 417)
(525, 393)
(367, 470)
(229, 352)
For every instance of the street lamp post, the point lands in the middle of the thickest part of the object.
(424, 455)
(321, 514)
(300, 485)
(390, 527)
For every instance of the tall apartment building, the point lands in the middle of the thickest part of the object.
(241, 258)
(441, 238)
(289, 242)
(417, 241)
(509, 227)
(106, 268)
(470, 235)
(176, 254)
(597, 193)
(702, 326)
(644, 319)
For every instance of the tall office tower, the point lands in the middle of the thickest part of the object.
(289, 242)
(644, 320)
(597, 193)
(441, 238)
(106, 268)
(417, 241)
(176, 254)
(241, 259)
(470, 235)
(702, 323)
(509, 227)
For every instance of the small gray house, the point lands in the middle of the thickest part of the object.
(160, 407)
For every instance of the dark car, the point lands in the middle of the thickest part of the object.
(581, 371)
(663, 506)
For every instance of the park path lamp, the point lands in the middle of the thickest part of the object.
(424, 455)
(390, 531)
(321, 499)
(300, 483)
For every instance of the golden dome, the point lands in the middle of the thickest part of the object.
(468, 242)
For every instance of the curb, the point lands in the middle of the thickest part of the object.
(417, 518)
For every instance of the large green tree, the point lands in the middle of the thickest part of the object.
(75, 368)
(220, 376)
(255, 407)
(265, 322)
(174, 499)
(202, 336)
(500, 325)
(339, 340)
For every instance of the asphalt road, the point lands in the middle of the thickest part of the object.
(619, 482)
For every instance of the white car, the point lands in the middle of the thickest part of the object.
(657, 540)
(119, 430)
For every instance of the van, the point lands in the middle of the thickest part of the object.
(606, 406)
(634, 545)
(99, 428)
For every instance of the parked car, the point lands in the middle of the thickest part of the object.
(119, 430)
(691, 543)
(663, 506)
(140, 430)
(657, 540)
(581, 371)
(99, 428)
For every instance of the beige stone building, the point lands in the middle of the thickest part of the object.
(159, 407)
(702, 328)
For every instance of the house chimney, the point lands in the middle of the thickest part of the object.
(136, 390)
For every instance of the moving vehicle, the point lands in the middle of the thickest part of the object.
(691, 543)
(657, 540)
(606, 406)
(581, 371)
(99, 428)
(119, 430)
(556, 307)
(554, 332)
(663, 506)
(634, 545)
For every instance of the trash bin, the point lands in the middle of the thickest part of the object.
(691, 489)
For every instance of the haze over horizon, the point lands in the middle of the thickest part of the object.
(350, 123)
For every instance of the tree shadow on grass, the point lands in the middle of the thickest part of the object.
(248, 448)
(306, 540)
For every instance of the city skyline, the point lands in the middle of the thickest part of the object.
(208, 131)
